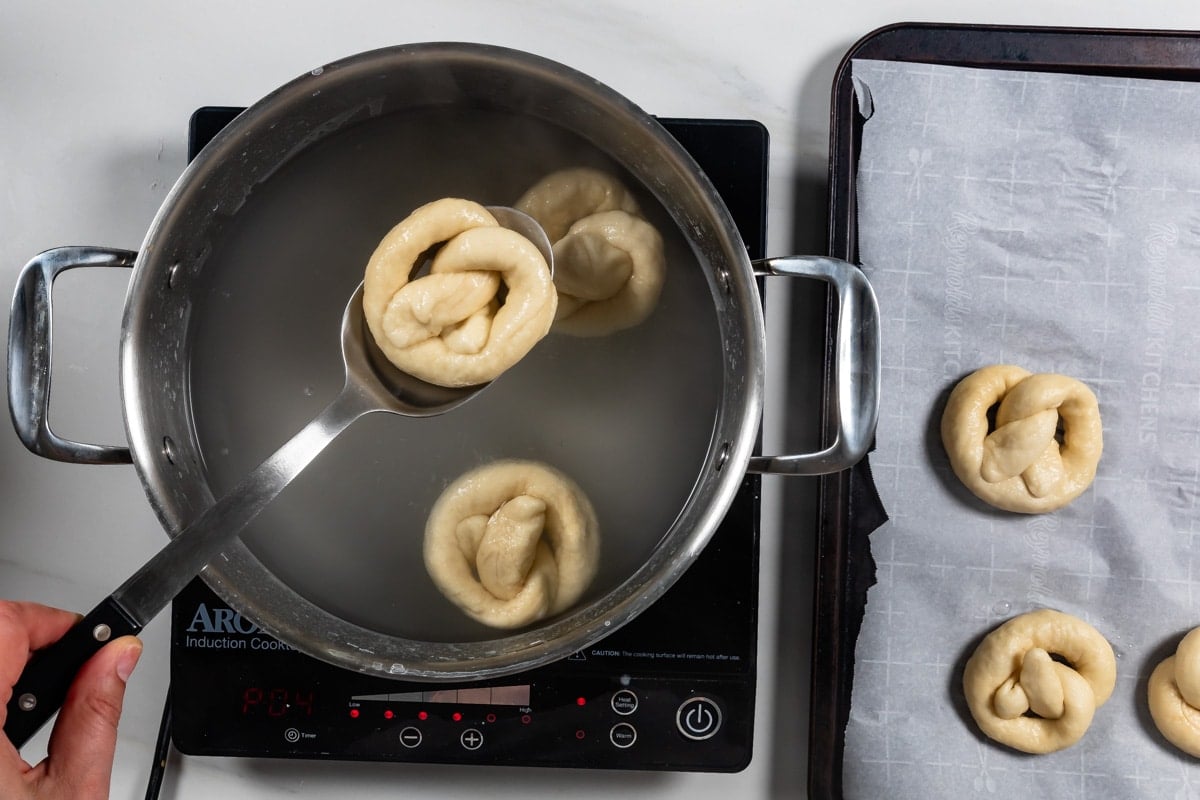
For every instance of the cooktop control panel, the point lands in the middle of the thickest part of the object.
(281, 704)
(671, 690)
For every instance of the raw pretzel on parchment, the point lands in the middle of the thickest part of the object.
(1021, 696)
(1173, 693)
(1020, 466)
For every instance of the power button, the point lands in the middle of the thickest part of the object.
(698, 718)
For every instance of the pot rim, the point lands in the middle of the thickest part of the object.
(240, 579)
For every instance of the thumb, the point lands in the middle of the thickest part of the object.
(81, 748)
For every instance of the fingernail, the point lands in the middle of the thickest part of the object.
(128, 660)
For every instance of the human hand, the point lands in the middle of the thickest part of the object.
(78, 764)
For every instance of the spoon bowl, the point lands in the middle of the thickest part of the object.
(394, 390)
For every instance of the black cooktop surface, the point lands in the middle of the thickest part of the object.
(674, 689)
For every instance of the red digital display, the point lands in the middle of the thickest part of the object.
(276, 703)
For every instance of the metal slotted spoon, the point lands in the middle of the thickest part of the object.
(372, 384)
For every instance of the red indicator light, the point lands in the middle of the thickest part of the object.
(581, 701)
(580, 734)
(354, 713)
(422, 715)
(526, 719)
(490, 717)
(388, 714)
(456, 716)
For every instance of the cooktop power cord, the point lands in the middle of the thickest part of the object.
(162, 749)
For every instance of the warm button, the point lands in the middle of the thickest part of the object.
(623, 735)
(698, 718)
(624, 702)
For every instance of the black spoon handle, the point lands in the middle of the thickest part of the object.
(43, 686)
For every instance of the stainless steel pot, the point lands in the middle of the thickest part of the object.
(181, 279)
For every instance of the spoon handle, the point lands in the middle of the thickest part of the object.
(162, 577)
(43, 685)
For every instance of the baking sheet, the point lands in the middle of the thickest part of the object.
(1052, 221)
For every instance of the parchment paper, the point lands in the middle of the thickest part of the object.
(1050, 221)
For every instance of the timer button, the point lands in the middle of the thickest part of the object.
(624, 702)
(411, 737)
(698, 718)
(623, 735)
(471, 739)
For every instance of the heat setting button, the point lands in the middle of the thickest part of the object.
(624, 702)
(698, 718)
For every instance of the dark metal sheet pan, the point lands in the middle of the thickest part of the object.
(849, 508)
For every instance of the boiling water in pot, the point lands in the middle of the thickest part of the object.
(628, 416)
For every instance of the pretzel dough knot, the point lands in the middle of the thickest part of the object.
(449, 327)
(1021, 697)
(1174, 695)
(512, 542)
(1020, 466)
(608, 261)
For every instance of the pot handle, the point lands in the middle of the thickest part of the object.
(29, 349)
(855, 368)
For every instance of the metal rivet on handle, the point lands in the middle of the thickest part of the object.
(101, 633)
(723, 456)
(27, 702)
(724, 281)
(168, 449)
(172, 275)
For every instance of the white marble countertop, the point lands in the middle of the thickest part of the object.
(94, 99)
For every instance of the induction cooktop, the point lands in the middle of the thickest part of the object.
(672, 690)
